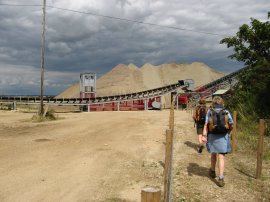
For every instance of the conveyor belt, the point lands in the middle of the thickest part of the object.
(202, 91)
(207, 90)
(226, 79)
(105, 99)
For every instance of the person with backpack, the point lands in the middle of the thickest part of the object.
(218, 125)
(199, 119)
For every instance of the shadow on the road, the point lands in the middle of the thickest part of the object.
(245, 173)
(162, 164)
(195, 169)
(192, 145)
(214, 180)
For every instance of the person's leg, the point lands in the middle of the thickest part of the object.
(221, 158)
(213, 161)
(221, 162)
(212, 172)
(200, 139)
(199, 132)
(200, 143)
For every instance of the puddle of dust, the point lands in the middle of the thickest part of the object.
(42, 140)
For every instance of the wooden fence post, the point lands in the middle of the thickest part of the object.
(14, 106)
(168, 165)
(169, 153)
(171, 124)
(234, 139)
(260, 149)
(150, 194)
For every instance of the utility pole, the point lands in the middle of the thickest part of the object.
(42, 59)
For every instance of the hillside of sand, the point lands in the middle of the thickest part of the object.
(130, 78)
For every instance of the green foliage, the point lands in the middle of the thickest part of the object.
(247, 120)
(251, 98)
(252, 46)
(252, 92)
(251, 43)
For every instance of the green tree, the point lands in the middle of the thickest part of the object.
(252, 46)
(251, 43)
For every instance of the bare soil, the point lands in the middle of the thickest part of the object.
(109, 156)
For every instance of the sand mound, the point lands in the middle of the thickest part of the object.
(129, 78)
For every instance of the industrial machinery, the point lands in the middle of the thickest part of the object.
(148, 99)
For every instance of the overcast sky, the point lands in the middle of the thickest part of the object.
(77, 42)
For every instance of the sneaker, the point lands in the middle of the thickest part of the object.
(212, 173)
(200, 149)
(220, 182)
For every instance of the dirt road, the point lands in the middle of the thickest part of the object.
(105, 156)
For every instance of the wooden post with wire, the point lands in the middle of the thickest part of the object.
(171, 124)
(168, 164)
(150, 194)
(171, 119)
(260, 149)
(169, 152)
(41, 112)
(234, 139)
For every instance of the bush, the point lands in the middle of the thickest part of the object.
(248, 123)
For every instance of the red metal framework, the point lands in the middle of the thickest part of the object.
(208, 89)
(127, 105)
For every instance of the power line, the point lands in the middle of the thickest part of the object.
(23, 5)
(135, 21)
(122, 19)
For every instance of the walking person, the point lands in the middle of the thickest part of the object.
(218, 125)
(199, 118)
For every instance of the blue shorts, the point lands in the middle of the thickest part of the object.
(218, 143)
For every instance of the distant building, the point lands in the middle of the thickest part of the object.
(88, 85)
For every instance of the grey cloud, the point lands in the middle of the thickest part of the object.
(78, 43)
(59, 47)
(14, 77)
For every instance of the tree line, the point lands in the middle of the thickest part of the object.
(251, 45)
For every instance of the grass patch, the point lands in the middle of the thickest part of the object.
(248, 129)
(49, 115)
(247, 137)
(245, 158)
(28, 108)
(5, 107)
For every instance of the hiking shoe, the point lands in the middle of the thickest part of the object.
(212, 173)
(220, 182)
(200, 149)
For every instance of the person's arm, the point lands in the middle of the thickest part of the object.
(205, 132)
(205, 128)
(194, 115)
(230, 119)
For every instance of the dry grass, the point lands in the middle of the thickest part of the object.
(49, 115)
